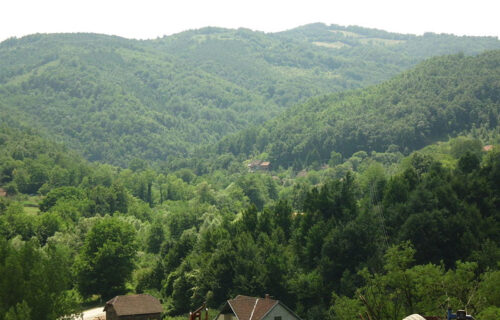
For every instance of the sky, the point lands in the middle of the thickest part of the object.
(149, 19)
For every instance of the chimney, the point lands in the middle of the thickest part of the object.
(267, 296)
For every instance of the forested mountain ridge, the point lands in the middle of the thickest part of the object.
(95, 93)
(117, 99)
(441, 97)
(414, 47)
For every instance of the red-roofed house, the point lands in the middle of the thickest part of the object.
(252, 308)
(488, 148)
(133, 307)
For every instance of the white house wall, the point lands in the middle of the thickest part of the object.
(279, 311)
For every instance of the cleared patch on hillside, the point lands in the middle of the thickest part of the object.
(31, 205)
(381, 41)
(333, 45)
(19, 79)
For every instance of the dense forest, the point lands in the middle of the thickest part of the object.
(441, 97)
(124, 168)
(116, 99)
(424, 225)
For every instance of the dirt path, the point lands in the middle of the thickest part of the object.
(94, 314)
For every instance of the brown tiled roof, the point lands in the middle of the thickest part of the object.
(251, 308)
(135, 304)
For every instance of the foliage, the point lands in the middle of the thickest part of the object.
(106, 260)
(38, 281)
(373, 232)
(118, 100)
(441, 97)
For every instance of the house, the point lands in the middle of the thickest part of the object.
(259, 165)
(265, 165)
(133, 307)
(252, 308)
(488, 148)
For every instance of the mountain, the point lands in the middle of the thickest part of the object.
(116, 100)
(333, 243)
(441, 97)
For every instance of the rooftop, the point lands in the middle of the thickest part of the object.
(135, 304)
(251, 308)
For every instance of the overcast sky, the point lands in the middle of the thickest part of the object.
(147, 19)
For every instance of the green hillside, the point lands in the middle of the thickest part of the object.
(116, 99)
(441, 97)
(354, 39)
(331, 248)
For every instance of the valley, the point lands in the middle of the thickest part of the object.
(348, 172)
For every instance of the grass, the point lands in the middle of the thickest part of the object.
(380, 41)
(17, 80)
(333, 45)
(212, 313)
(31, 210)
(31, 204)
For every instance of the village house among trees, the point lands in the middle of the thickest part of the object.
(133, 307)
(252, 308)
(258, 165)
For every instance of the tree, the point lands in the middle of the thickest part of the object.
(468, 162)
(155, 237)
(38, 282)
(106, 260)
(20, 312)
(57, 194)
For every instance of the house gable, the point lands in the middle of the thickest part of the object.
(226, 313)
(280, 312)
(252, 308)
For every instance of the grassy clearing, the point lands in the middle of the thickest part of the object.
(31, 204)
(17, 80)
(333, 45)
(31, 210)
(381, 41)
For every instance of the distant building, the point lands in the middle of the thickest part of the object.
(257, 165)
(252, 308)
(265, 165)
(133, 307)
(488, 148)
